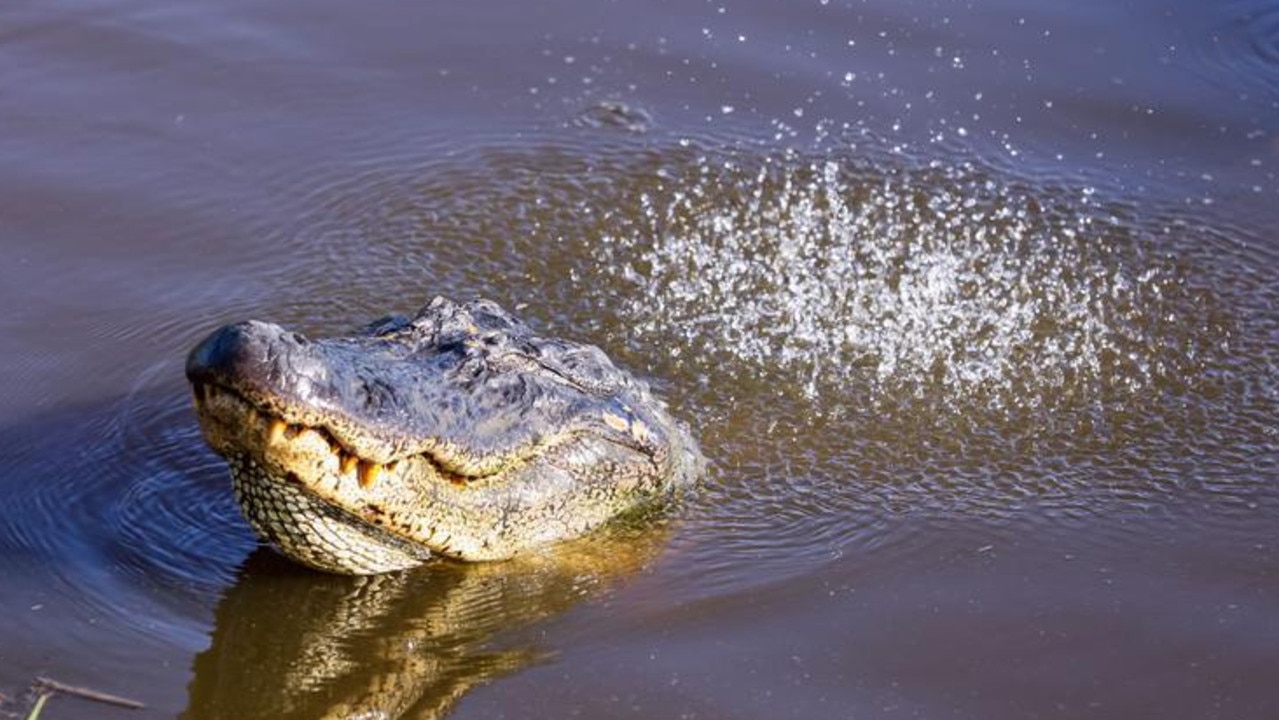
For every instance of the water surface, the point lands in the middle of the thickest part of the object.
(973, 307)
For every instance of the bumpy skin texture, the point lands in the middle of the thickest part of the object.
(457, 433)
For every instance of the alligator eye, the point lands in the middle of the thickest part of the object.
(617, 422)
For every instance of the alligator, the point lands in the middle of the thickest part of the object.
(457, 433)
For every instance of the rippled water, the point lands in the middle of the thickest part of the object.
(974, 310)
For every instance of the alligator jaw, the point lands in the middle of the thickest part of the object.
(373, 397)
(232, 424)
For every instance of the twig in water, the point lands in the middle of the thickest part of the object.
(86, 693)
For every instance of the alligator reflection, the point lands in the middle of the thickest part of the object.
(293, 643)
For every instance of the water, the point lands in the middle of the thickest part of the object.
(973, 307)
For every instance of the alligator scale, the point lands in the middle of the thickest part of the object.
(457, 433)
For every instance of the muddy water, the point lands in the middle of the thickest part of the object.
(973, 307)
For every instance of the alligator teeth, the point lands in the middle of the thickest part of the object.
(275, 433)
(347, 462)
(369, 472)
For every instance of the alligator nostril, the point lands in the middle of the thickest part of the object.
(242, 350)
(219, 350)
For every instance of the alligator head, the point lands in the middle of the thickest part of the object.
(456, 433)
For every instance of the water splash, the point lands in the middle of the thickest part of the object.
(937, 280)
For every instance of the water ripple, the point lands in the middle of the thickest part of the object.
(121, 507)
(175, 520)
(1242, 49)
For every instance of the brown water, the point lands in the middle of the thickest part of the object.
(974, 306)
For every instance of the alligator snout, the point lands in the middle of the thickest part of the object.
(256, 358)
